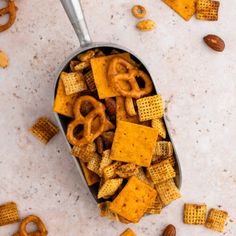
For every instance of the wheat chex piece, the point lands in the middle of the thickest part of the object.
(63, 104)
(44, 129)
(89, 79)
(216, 220)
(106, 212)
(156, 206)
(161, 172)
(90, 177)
(109, 188)
(84, 153)
(99, 67)
(168, 191)
(127, 170)
(106, 161)
(94, 164)
(164, 148)
(141, 176)
(160, 126)
(150, 108)
(133, 200)
(73, 82)
(185, 8)
(128, 232)
(133, 143)
(195, 214)
(8, 213)
(109, 172)
(207, 10)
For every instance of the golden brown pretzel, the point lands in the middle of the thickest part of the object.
(11, 10)
(42, 231)
(88, 134)
(128, 78)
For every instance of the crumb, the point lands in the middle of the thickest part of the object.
(3, 60)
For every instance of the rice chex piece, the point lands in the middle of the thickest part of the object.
(150, 108)
(109, 172)
(168, 191)
(195, 214)
(44, 129)
(84, 153)
(207, 10)
(127, 170)
(159, 125)
(161, 172)
(106, 161)
(216, 220)
(156, 206)
(164, 148)
(94, 164)
(109, 188)
(8, 213)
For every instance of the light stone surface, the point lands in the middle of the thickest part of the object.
(198, 85)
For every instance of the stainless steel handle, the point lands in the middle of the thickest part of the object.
(75, 13)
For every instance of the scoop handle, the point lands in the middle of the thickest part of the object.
(75, 13)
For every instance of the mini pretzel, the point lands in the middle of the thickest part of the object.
(87, 135)
(139, 11)
(11, 10)
(115, 79)
(42, 231)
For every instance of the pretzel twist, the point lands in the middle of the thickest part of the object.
(11, 10)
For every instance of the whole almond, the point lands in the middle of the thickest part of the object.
(169, 231)
(215, 42)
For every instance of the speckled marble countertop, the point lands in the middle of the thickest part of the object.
(198, 85)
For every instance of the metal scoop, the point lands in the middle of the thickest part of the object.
(75, 14)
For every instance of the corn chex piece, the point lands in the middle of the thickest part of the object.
(84, 153)
(195, 214)
(161, 172)
(44, 129)
(127, 170)
(159, 125)
(94, 164)
(207, 10)
(106, 212)
(133, 200)
(216, 220)
(168, 191)
(150, 108)
(171, 159)
(89, 79)
(128, 232)
(8, 213)
(109, 188)
(156, 206)
(141, 176)
(109, 172)
(106, 161)
(185, 8)
(164, 148)
(73, 82)
(133, 143)
(90, 177)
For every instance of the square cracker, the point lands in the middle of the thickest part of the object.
(134, 199)
(8, 213)
(63, 104)
(133, 143)
(99, 68)
(128, 232)
(195, 214)
(185, 8)
(207, 10)
(168, 191)
(216, 220)
(161, 172)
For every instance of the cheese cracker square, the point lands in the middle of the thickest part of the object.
(133, 143)
(128, 232)
(216, 220)
(133, 200)
(99, 68)
(185, 8)
(195, 214)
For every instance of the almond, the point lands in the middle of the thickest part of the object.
(169, 231)
(215, 42)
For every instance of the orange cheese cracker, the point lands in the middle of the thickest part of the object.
(185, 8)
(128, 232)
(63, 104)
(99, 67)
(133, 143)
(133, 200)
